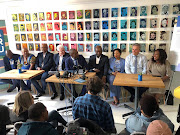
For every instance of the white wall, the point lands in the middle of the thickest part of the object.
(56, 5)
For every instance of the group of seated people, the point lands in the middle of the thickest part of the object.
(106, 69)
(148, 118)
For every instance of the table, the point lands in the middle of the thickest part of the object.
(13, 74)
(149, 81)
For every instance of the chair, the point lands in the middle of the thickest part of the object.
(17, 126)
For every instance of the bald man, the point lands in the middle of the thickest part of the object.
(44, 61)
(99, 63)
(10, 62)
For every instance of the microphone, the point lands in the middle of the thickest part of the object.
(52, 72)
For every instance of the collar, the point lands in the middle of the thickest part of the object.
(72, 58)
(136, 55)
(97, 57)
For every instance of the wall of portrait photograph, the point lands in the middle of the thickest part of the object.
(82, 27)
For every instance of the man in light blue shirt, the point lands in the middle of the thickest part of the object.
(135, 63)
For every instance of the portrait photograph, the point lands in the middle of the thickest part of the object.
(73, 36)
(24, 45)
(96, 36)
(16, 27)
(133, 11)
(48, 15)
(123, 47)
(21, 17)
(162, 46)
(130, 48)
(124, 11)
(105, 12)
(79, 14)
(113, 46)
(88, 37)
(113, 24)
(133, 36)
(164, 35)
(42, 27)
(28, 16)
(143, 23)
(96, 25)
(18, 46)
(34, 17)
(152, 47)
(123, 36)
(165, 9)
(164, 23)
(95, 13)
(143, 47)
(88, 25)
(30, 37)
(87, 14)
(123, 24)
(105, 36)
(174, 21)
(79, 25)
(23, 37)
(152, 35)
(56, 26)
(66, 46)
(31, 46)
(176, 9)
(72, 25)
(36, 37)
(71, 14)
(37, 46)
(114, 36)
(142, 36)
(80, 36)
(41, 16)
(153, 23)
(49, 26)
(63, 15)
(154, 9)
(51, 47)
(80, 47)
(14, 18)
(114, 12)
(65, 37)
(56, 15)
(133, 23)
(64, 26)
(43, 37)
(57, 36)
(35, 27)
(105, 24)
(143, 11)
(28, 27)
(17, 37)
(50, 37)
(88, 47)
(74, 46)
(105, 48)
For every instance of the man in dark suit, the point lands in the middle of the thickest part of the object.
(99, 63)
(59, 64)
(44, 61)
(10, 62)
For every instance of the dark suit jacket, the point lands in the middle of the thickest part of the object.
(103, 65)
(69, 63)
(48, 61)
(7, 63)
(56, 61)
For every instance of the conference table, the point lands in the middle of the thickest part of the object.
(26, 75)
(131, 80)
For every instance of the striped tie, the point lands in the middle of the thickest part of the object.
(135, 71)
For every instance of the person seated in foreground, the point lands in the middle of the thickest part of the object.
(147, 112)
(37, 123)
(92, 107)
(158, 127)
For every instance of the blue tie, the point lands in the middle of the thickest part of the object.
(135, 71)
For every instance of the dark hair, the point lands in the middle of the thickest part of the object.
(94, 85)
(162, 56)
(149, 105)
(117, 49)
(35, 111)
(154, 7)
(4, 115)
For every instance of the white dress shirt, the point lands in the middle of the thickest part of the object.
(98, 59)
(60, 63)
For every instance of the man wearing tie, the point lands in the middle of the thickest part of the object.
(135, 63)
(44, 61)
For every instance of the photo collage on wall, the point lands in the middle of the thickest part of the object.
(109, 27)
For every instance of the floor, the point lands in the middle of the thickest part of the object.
(170, 111)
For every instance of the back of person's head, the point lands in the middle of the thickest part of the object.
(4, 115)
(158, 127)
(38, 112)
(94, 85)
(148, 105)
(23, 101)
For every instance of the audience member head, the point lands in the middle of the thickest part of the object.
(44, 48)
(94, 85)
(25, 52)
(158, 127)
(148, 105)
(117, 53)
(98, 51)
(159, 56)
(9, 54)
(136, 49)
(4, 115)
(61, 50)
(23, 101)
(73, 53)
(38, 112)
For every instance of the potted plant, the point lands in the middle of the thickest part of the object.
(140, 77)
(19, 66)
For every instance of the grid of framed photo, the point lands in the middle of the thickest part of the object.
(151, 26)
